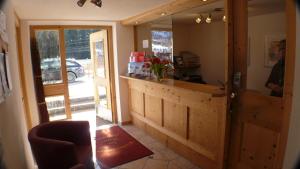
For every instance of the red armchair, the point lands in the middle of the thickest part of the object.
(62, 145)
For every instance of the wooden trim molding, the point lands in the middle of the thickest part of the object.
(289, 79)
(170, 8)
(39, 88)
(22, 76)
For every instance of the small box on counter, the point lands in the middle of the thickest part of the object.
(137, 56)
(137, 66)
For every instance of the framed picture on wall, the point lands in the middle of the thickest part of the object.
(3, 33)
(5, 82)
(272, 44)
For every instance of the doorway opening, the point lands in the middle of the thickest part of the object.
(76, 71)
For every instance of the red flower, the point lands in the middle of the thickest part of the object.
(146, 65)
(165, 62)
(155, 60)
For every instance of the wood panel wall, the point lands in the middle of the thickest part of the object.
(185, 120)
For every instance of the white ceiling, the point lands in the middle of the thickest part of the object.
(112, 10)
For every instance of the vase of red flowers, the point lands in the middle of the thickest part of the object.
(159, 67)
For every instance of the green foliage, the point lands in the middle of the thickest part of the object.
(77, 43)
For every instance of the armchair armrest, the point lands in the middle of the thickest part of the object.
(78, 166)
(77, 132)
(46, 149)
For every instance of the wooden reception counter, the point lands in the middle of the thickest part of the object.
(189, 118)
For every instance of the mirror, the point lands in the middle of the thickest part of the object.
(156, 37)
(266, 46)
(194, 39)
(199, 44)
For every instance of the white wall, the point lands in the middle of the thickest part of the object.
(17, 154)
(259, 27)
(293, 147)
(122, 43)
(125, 45)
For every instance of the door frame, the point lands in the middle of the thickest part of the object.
(238, 43)
(22, 74)
(61, 29)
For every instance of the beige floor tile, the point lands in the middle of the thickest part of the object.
(156, 164)
(169, 154)
(147, 140)
(138, 164)
(159, 156)
(157, 146)
(172, 165)
(163, 157)
(184, 163)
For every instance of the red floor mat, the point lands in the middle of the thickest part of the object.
(116, 147)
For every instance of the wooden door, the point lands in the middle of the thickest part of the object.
(259, 122)
(100, 58)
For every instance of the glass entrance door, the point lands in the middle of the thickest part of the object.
(99, 55)
(75, 71)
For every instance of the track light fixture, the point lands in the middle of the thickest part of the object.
(95, 2)
(81, 3)
(199, 19)
(209, 18)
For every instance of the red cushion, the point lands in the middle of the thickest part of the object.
(84, 154)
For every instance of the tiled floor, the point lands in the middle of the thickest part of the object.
(163, 157)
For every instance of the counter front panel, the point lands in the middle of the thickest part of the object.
(193, 118)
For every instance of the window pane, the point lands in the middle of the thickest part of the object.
(103, 109)
(56, 107)
(48, 46)
(99, 47)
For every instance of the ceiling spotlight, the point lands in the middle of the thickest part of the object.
(163, 14)
(199, 20)
(81, 3)
(208, 19)
(224, 18)
(97, 3)
(204, 0)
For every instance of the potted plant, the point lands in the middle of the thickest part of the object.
(159, 67)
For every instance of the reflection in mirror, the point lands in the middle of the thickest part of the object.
(156, 37)
(199, 44)
(266, 46)
(193, 39)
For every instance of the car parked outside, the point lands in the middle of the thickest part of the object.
(51, 70)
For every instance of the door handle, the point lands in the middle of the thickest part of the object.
(233, 95)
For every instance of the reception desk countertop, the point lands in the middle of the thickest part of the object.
(205, 88)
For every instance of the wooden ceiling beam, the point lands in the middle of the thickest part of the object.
(170, 8)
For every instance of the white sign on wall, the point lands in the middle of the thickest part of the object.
(3, 32)
(145, 44)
